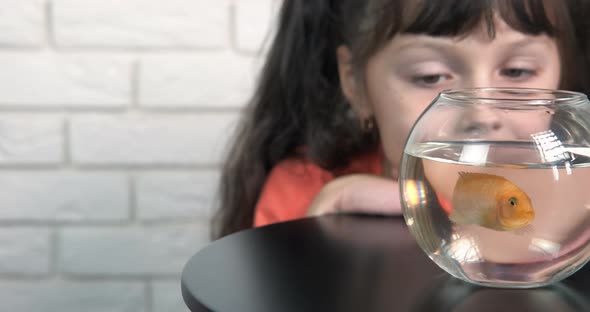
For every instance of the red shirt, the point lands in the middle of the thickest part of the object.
(293, 183)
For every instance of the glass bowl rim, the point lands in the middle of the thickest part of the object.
(473, 94)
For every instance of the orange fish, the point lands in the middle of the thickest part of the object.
(490, 201)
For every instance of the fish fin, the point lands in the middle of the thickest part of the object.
(525, 230)
(461, 218)
(454, 218)
(467, 174)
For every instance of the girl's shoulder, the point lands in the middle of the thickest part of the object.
(368, 163)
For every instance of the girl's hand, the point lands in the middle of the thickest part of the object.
(358, 193)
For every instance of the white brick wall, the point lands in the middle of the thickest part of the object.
(31, 140)
(22, 23)
(157, 139)
(129, 250)
(179, 195)
(56, 80)
(185, 81)
(252, 16)
(61, 195)
(28, 257)
(87, 296)
(141, 23)
(113, 117)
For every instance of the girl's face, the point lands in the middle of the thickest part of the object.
(409, 72)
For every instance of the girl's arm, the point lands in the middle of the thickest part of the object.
(358, 193)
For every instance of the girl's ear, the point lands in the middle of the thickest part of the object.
(349, 83)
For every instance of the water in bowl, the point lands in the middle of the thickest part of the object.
(550, 248)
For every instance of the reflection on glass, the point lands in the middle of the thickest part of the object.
(475, 154)
(464, 249)
(415, 193)
(550, 147)
(545, 246)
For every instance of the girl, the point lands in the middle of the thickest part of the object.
(345, 80)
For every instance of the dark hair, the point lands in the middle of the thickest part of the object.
(580, 64)
(299, 102)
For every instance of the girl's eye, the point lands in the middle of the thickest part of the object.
(430, 80)
(517, 73)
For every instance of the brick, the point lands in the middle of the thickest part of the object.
(167, 297)
(151, 140)
(24, 250)
(22, 23)
(72, 296)
(153, 250)
(201, 80)
(51, 81)
(176, 195)
(63, 196)
(254, 23)
(141, 23)
(31, 140)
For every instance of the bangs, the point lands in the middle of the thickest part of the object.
(451, 18)
(458, 18)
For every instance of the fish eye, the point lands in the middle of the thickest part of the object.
(512, 201)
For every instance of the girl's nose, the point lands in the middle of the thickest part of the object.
(480, 122)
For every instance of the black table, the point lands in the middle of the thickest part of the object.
(348, 263)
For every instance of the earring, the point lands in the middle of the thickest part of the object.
(368, 124)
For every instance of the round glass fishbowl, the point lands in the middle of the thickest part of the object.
(495, 184)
